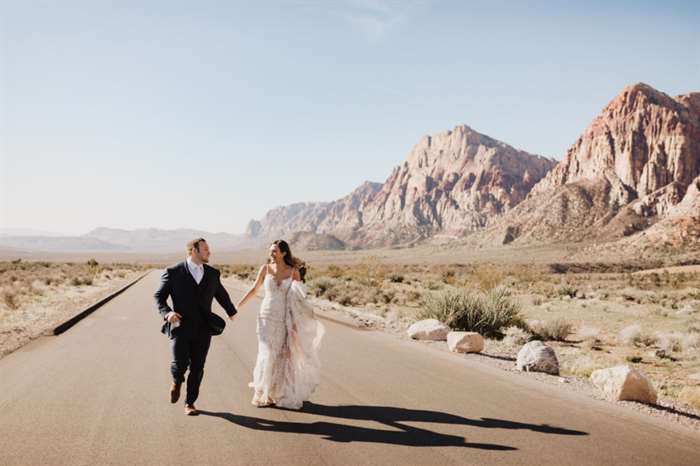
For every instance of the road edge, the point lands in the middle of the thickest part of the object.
(66, 325)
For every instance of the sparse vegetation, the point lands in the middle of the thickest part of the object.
(36, 294)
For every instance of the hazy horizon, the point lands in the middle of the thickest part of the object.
(206, 116)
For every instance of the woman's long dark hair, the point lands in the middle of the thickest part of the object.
(289, 259)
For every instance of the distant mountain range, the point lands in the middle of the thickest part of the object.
(118, 240)
(633, 174)
(630, 182)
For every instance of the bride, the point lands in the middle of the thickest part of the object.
(287, 369)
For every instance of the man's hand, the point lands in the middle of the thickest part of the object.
(173, 317)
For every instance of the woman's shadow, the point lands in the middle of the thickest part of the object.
(400, 434)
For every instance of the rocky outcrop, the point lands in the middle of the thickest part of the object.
(627, 171)
(340, 218)
(642, 141)
(310, 241)
(452, 183)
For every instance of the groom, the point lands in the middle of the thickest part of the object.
(190, 324)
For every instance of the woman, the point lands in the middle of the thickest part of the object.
(287, 369)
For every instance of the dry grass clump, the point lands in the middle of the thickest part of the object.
(10, 299)
(670, 342)
(632, 335)
(516, 336)
(581, 366)
(551, 330)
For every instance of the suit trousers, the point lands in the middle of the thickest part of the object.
(189, 350)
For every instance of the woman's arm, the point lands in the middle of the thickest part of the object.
(258, 281)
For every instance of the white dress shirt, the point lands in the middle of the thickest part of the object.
(197, 271)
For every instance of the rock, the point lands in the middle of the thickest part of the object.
(465, 342)
(535, 356)
(428, 329)
(624, 383)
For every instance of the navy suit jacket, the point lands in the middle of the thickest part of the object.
(191, 300)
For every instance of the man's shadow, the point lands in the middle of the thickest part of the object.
(399, 434)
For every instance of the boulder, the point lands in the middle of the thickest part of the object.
(624, 383)
(465, 342)
(535, 356)
(428, 329)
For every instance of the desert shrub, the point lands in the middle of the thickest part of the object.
(582, 366)
(670, 341)
(470, 310)
(76, 281)
(556, 329)
(396, 278)
(516, 336)
(92, 263)
(691, 342)
(448, 277)
(10, 299)
(321, 285)
(488, 277)
(630, 335)
(387, 296)
(345, 299)
(334, 271)
(566, 289)
(633, 335)
(413, 296)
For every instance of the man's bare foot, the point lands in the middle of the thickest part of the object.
(190, 410)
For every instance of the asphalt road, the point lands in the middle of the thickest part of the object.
(98, 395)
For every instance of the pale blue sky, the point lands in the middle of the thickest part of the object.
(206, 114)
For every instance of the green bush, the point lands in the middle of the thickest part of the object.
(474, 311)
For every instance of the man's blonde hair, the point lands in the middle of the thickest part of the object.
(194, 244)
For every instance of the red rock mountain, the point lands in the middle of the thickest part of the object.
(452, 183)
(627, 170)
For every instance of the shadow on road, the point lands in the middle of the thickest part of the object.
(401, 434)
(389, 414)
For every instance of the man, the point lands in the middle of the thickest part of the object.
(192, 285)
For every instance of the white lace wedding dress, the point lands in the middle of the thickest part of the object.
(287, 369)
